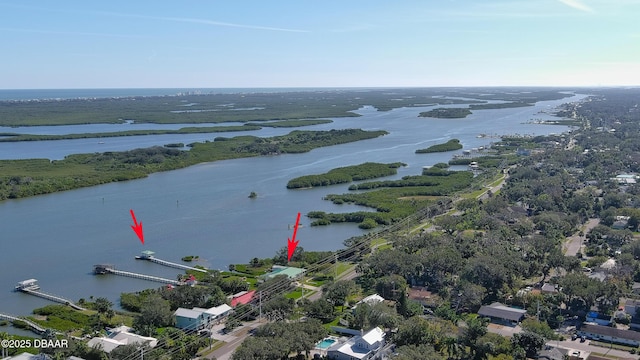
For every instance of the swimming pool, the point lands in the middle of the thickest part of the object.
(324, 344)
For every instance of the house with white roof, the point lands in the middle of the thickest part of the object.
(121, 336)
(103, 344)
(372, 299)
(188, 319)
(197, 318)
(360, 347)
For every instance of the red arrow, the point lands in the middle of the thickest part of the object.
(137, 227)
(291, 244)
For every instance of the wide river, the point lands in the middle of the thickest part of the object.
(204, 210)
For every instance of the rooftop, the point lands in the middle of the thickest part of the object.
(291, 272)
(498, 310)
(244, 298)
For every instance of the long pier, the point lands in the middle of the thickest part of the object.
(109, 269)
(53, 298)
(148, 255)
(35, 327)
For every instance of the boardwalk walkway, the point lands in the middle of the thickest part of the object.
(35, 327)
(109, 269)
(171, 264)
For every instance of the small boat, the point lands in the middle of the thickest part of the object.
(100, 142)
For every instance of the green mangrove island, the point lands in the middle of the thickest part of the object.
(11, 137)
(23, 178)
(453, 144)
(369, 170)
(446, 113)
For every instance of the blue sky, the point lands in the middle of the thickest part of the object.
(346, 43)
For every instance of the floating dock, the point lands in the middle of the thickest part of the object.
(31, 287)
(101, 269)
(148, 255)
(35, 327)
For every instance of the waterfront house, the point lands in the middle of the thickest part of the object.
(364, 346)
(293, 273)
(503, 314)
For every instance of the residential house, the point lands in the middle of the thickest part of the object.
(243, 297)
(549, 288)
(631, 306)
(610, 334)
(188, 319)
(364, 346)
(503, 314)
(28, 356)
(597, 318)
(551, 353)
(216, 313)
(118, 337)
(293, 273)
(371, 299)
(103, 344)
(421, 295)
(198, 318)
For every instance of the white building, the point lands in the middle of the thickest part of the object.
(360, 347)
(121, 336)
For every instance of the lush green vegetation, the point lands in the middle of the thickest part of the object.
(399, 199)
(451, 145)
(22, 178)
(446, 113)
(243, 107)
(187, 130)
(500, 105)
(290, 123)
(345, 174)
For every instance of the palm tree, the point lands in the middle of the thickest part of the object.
(4, 336)
(452, 347)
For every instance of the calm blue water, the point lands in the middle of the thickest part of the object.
(204, 210)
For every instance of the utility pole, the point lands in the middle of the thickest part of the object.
(260, 306)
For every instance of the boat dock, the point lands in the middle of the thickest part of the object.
(34, 327)
(31, 287)
(148, 255)
(101, 269)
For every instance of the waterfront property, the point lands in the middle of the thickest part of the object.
(293, 273)
(199, 318)
(502, 314)
(364, 346)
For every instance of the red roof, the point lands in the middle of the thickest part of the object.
(242, 299)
